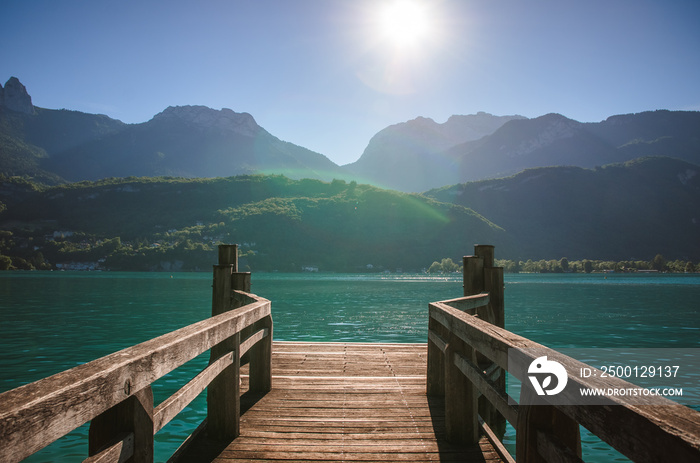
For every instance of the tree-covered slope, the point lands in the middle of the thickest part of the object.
(280, 223)
(620, 211)
(633, 210)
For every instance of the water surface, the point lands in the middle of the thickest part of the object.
(52, 321)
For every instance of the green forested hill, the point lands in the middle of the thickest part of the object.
(634, 210)
(281, 224)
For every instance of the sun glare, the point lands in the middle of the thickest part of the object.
(404, 39)
(404, 23)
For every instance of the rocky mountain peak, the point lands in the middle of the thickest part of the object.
(225, 119)
(527, 136)
(426, 135)
(15, 97)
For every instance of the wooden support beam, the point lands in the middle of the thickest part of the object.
(36, 414)
(169, 408)
(223, 393)
(437, 344)
(535, 422)
(121, 451)
(240, 281)
(473, 275)
(486, 252)
(498, 398)
(480, 275)
(228, 255)
(221, 300)
(134, 415)
(260, 356)
(497, 444)
(494, 285)
(461, 396)
(494, 313)
(469, 304)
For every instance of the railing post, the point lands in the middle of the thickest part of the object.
(486, 252)
(240, 281)
(261, 360)
(259, 357)
(540, 426)
(132, 415)
(493, 284)
(223, 394)
(473, 275)
(480, 275)
(228, 255)
(461, 396)
(435, 375)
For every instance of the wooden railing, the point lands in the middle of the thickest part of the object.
(466, 350)
(114, 393)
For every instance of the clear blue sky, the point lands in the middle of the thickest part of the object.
(325, 75)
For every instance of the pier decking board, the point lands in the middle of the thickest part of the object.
(344, 402)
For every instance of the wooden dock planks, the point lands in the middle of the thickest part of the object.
(345, 402)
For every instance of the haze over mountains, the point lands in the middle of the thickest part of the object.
(549, 187)
(413, 156)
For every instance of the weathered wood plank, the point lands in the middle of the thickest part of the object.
(250, 342)
(174, 404)
(461, 395)
(356, 412)
(134, 416)
(34, 415)
(496, 397)
(473, 275)
(663, 430)
(469, 303)
(120, 452)
(495, 441)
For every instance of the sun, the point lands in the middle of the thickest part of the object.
(404, 44)
(404, 23)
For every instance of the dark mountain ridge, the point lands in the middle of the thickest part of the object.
(190, 141)
(619, 211)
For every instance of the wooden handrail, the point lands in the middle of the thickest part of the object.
(664, 432)
(117, 387)
(121, 451)
(34, 415)
(174, 404)
(469, 304)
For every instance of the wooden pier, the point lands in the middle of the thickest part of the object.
(343, 402)
(441, 401)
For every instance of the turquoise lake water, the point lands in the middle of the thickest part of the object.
(53, 321)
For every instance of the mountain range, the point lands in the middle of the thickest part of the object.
(413, 156)
(630, 210)
(410, 156)
(549, 187)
